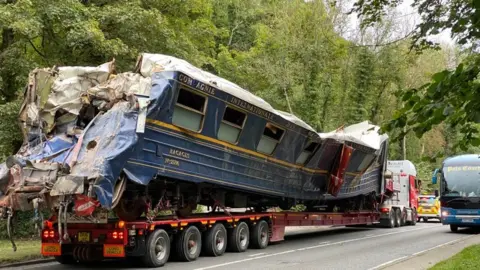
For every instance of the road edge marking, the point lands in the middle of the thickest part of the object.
(416, 254)
(311, 247)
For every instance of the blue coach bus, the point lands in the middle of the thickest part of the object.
(459, 179)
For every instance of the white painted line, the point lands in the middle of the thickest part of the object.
(245, 260)
(305, 248)
(255, 255)
(441, 245)
(388, 263)
(418, 253)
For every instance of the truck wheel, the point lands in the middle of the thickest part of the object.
(189, 244)
(390, 222)
(215, 240)
(403, 217)
(414, 218)
(238, 238)
(425, 219)
(398, 216)
(158, 249)
(453, 228)
(260, 237)
(65, 259)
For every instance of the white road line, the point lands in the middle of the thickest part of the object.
(441, 245)
(417, 253)
(311, 247)
(388, 263)
(255, 255)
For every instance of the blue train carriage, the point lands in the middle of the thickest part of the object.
(207, 141)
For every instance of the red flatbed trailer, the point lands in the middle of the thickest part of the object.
(210, 234)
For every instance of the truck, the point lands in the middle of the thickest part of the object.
(153, 242)
(459, 191)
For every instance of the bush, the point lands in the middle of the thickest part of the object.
(23, 225)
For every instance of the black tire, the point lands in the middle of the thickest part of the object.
(414, 217)
(239, 238)
(215, 241)
(188, 244)
(390, 222)
(158, 249)
(65, 259)
(397, 215)
(259, 236)
(403, 217)
(129, 210)
(453, 228)
(425, 219)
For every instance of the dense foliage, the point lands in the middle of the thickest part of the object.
(291, 53)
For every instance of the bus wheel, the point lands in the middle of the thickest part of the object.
(189, 244)
(238, 238)
(260, 237)
(158, 249)
(215, 240)
(453, 228)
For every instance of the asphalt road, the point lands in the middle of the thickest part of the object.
(334, 248)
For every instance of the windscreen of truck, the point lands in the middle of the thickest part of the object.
(461, 181)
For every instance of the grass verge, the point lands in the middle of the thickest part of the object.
(26, 250)
(468, 259)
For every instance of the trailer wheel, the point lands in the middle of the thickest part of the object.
(65, 259)
(189, 244)
(215, 240)
(403, 217)
(398, 216)
(260, 236)
(158, 249)
(239, 238)
(453, 228)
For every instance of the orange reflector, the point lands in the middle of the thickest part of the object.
(121, 224)
(113, 251)
(204, 222)
(152, 227)
(252, 218)
(174, 224)
(237, 219)
(183, 223)
(51, 249)
(229, 220)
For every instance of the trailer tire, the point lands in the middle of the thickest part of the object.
(215, 240)
(65, 259)
(158, 249)
(403, 217)
(188, 244)
(239, 238)
(398, 215)
(259, 237)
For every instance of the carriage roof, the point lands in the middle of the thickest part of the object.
(148, 62)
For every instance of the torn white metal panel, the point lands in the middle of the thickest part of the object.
(362, 133)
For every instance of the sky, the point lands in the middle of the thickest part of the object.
(406, 20)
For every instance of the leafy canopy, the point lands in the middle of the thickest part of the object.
(452, 95)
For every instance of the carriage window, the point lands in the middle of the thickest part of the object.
(306, 153)
(270, 138)
(189, 110)
(231, 126)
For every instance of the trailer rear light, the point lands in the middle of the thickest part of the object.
(385, 210)
(140, 232)
(48, 234)
(117, 235)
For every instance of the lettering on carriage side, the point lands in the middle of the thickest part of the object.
(173, 162)
(244, 105)
(196, 84)
(179, 153)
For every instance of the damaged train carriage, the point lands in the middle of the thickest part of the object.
(170, 136)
